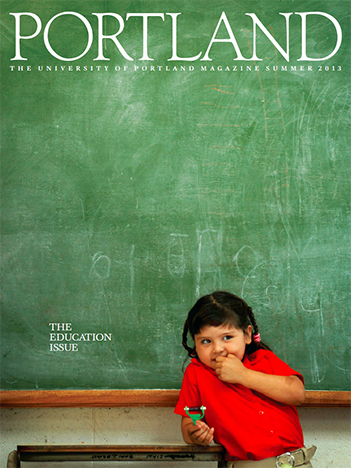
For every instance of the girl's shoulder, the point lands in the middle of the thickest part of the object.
(260, 354)
(192, 366)
(197, 367)
(196, 373)
(266, 361)
(195, 364)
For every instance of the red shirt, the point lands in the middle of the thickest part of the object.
(248, 424)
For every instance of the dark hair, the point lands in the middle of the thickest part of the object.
(217, 309)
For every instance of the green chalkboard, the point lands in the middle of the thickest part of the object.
(133, 184)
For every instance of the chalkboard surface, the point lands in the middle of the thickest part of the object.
(130, 191)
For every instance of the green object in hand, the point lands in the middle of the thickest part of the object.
(195, 417)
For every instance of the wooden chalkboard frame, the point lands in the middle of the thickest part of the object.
(134, 398)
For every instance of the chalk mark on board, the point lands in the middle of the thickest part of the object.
(283, 216)
(226, 147)
(267, 292)
(345, 371)
(101, 268)
(337, 118)
(120, 366)
(317, 373)
(283, 213)
(132, 272)
(277, 89)
(238, 254)
(212, 264)
(262, 91)
(283, 210)
(176, 256)
(253, 266)
(250, 273)
(85, 226)
(218, 105)
(214, 87)
(218, 125)
(10, 381)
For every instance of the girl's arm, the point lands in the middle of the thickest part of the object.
(199, 434)
(285, 389)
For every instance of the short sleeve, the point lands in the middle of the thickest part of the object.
(279, 367)
(189, 394)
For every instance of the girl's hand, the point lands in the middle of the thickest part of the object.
(230, 369)
(199, 434)
(289, 389)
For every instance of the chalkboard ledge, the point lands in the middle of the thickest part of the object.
(132, 398)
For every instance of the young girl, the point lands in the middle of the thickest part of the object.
(247, 391)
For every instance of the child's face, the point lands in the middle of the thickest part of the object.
(212, 342)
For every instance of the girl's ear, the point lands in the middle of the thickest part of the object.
(248, 335)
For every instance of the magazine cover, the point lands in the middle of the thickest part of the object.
(156, 151)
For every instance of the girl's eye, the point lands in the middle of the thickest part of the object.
(227, 338)
(205, 341)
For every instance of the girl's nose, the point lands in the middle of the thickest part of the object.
(218, 348)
